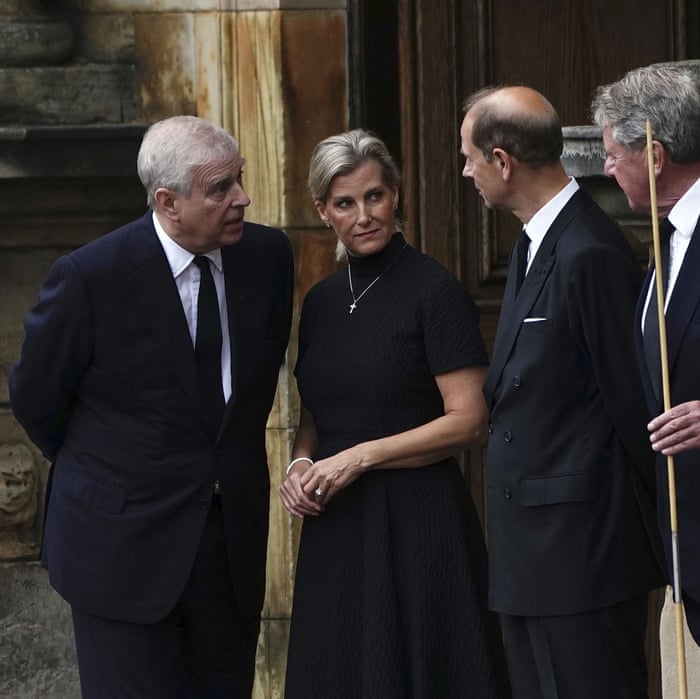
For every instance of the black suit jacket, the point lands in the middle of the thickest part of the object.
(106, 387)
(683, 337)
(570, 469)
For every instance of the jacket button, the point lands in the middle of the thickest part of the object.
(490, 428)
(516, 381)
(507, 494)
(507, 436)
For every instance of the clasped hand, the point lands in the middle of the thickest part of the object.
(308, 488)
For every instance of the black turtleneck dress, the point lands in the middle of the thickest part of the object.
(390, 589)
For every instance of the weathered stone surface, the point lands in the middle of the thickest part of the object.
(21, 491)
(67, 95)
(103, 150)
(670, 655)
(106, 38)
(164, 54)
(584, 155)
(203, 5)
(37, 657)
(271, 660)
(29, 35)
(32, 41)
(18, 485)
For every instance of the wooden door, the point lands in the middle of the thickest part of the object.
(445, 50)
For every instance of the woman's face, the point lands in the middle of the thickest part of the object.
(360, 208)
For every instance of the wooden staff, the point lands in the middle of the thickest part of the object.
(665, 383)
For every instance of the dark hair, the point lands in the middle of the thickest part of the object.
(533, 138)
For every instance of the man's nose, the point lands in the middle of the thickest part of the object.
(240, 197)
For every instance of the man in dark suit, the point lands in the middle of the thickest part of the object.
(669, 97)
(146, 377)
(570, 479)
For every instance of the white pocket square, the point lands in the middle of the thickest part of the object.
(534, 319)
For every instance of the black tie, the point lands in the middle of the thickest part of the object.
(207, 346)
(652, 347)
(523, 245)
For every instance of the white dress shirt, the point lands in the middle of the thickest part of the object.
(683, 217)
(186, 275)
(537, 227)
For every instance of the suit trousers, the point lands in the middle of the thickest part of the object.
(204, 649)
(597, 654)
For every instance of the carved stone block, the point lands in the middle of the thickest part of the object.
(19, 496)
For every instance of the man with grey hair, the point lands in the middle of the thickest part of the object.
(146, 377)
(669, 97)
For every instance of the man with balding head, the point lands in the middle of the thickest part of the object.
(571, 523)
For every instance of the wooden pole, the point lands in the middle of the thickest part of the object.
(665, 383)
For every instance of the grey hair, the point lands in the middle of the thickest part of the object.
(667, 95)
(342, 154)
(174, 148)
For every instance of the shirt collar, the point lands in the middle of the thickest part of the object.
(684, 214)
(537, 227)
(179, 258)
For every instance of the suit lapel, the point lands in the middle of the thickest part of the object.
(685, 298)
(513, 311)
(516, 308)
(155, 291)
(639, 342)
(239, 307)
(231, 281)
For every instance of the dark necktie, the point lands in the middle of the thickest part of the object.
(207, 346)
(522, 247)
(652, 347)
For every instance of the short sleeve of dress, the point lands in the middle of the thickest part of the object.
(451, 326)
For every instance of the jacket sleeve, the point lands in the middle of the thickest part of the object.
(604, 288)
(55, 352)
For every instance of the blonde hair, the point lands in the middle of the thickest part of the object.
(342, 154)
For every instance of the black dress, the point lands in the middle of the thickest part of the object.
(390, 585)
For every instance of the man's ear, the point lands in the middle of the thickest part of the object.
(167, 203)
(504, 162)
(659, 156)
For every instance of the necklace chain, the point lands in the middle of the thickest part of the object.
(355, 299)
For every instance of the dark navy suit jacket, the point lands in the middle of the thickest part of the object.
(106, 387)
(683, 337)
(571, 520)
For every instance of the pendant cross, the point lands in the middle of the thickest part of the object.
(353, 306)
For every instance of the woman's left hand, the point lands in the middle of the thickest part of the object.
(328, 476)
